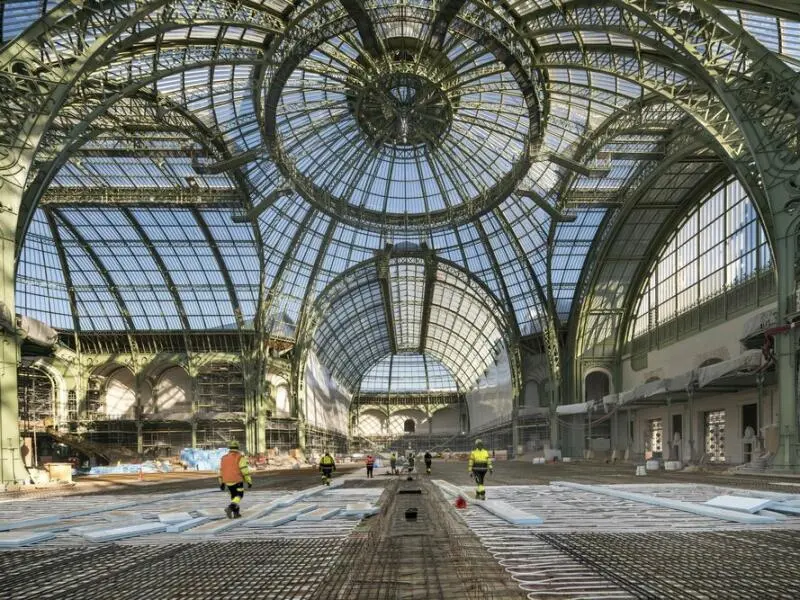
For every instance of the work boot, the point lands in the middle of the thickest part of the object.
(229, 512)
(237, 515)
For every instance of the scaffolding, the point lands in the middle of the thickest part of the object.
(282, 434)
(220, 389)
(165, 439)
(323, 440)
(218, 433)
(36, 399)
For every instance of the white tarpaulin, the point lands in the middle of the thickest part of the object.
(659, 387)
(746, 362)
(573, 409)
(610, 400)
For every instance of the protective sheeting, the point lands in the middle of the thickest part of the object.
(573, 409)
(490, 401)
(653, 389)
(748, 362)
(327, 402)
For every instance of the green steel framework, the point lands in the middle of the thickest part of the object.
(612, 102)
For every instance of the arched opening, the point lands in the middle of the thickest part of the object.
(282, 406)
(409, 426)
(596, 385)
(171, 394)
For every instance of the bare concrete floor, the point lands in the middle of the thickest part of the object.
(587, 547)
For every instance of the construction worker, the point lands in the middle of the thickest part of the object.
(327, 466)
(234, 472)
(410, 461)
(428, 462)
(393, 463)
(370, 465)
(479, 463)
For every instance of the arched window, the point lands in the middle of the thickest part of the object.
(720, 244)
(409, 426)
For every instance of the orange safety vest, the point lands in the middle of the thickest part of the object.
(229, 470)
(370, 461)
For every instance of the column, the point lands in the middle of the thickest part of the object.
(12, 469)
(785, 248)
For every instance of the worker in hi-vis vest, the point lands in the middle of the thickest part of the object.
(233, 474)
(479, 463)
(327, 465)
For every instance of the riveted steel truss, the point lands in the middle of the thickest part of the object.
(348, 329)
(607, 82)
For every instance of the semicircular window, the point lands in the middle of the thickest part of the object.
(720, 245)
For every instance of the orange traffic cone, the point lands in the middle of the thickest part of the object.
(141, 474)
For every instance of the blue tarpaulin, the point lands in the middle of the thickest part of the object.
(197, 459)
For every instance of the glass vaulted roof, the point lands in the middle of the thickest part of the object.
(218, 158)
(408, 373)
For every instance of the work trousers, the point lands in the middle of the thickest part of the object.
(237, 493)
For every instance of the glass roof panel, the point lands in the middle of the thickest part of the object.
(41, 291)
(183, 248)
(98, 308)
(129, 263)
(408, 292)
(17, 16)
(781, 35)
(573, 241)
(408, 373)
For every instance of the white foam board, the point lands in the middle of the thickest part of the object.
(211, 513)
(185, 525)
(359, 508)
(15, 539)
(740, 503)
(320, 514)
(23, 523)
(690, 507)
(789, 509)
(120, 533)
(510, 514)
(213, 527)
(172, 518)
(280, 517)
(81, 529)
